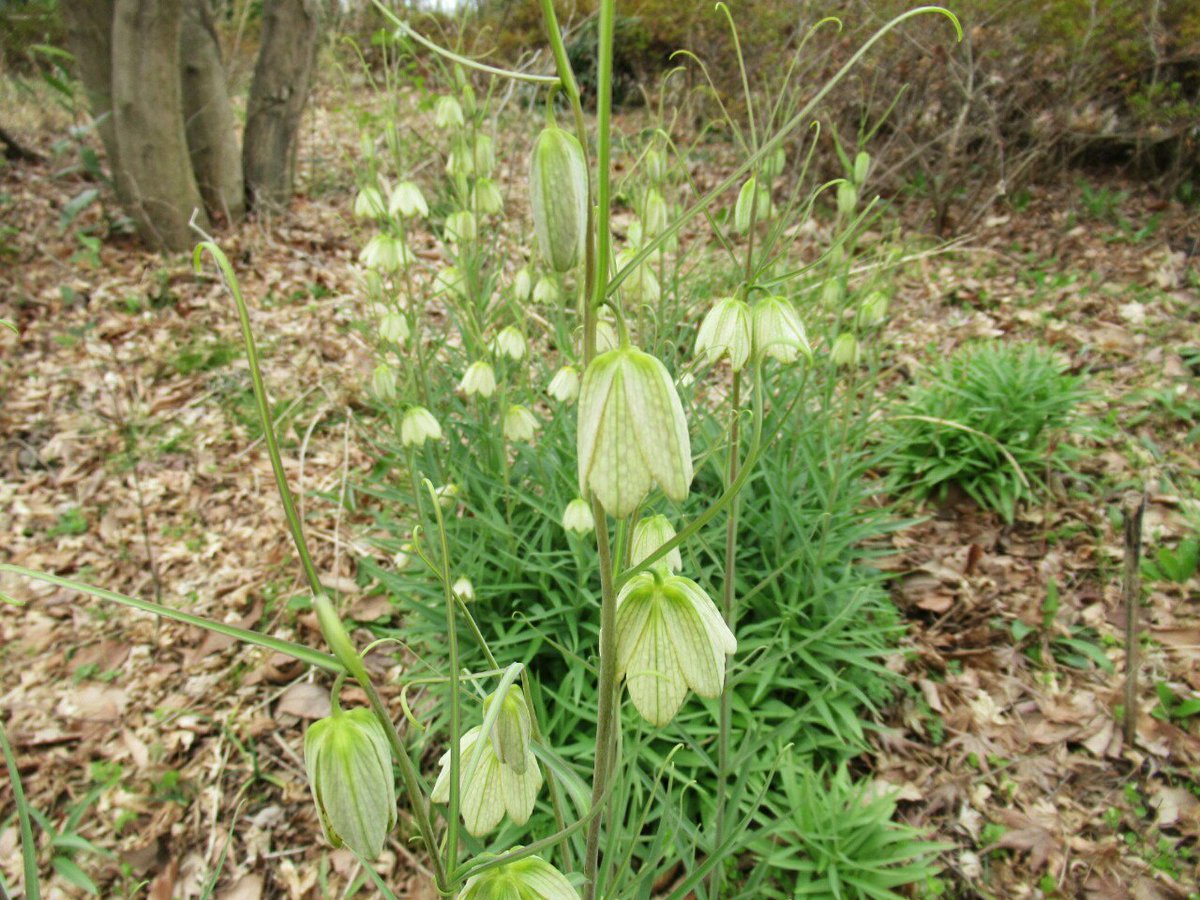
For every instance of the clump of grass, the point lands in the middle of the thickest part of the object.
(994, 420)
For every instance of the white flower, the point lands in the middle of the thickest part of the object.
(478, 379)
(632, 432)
(393, 328)
(447, 113)
(564, 386)
(486, 197)
(530, 878)
(545, 293)
(846, 350)
(385, 252)
(484, 154)
(778, 332)
(654, 213)
(577, 517)
(519, 423)
(419, 426)
(369, 203)
(407, 201)
(447, 494)
(725, 331)
(492, 788)
(670, 637)
(383, 382)
(874, 309)
(461, 227)
(522, 284)
(511, 343)
(649, 534)
(463, 589)
(606, 336)
(641, 286)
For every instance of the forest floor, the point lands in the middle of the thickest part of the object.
(130, 457)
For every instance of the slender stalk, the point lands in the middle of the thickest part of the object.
(1133, 508)
(730, 615)
(28, 847)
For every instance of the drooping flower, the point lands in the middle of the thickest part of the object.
(447, 113)
(368, 204)
(510, 342)
(463, 589)
(753, 201)
(461, 227)
(558, 183)
(846, 350)
(478, 379)
(545, 292)
(451, 280)
(577, 517)
(407, 201)
(654, 213)
(531, 878)
(778, 331)
(632, 433)
(349, 768)
(386, 253)
(874, 309)
(519, 423)
(486, 197)
(670, 637)
(419, 426)
(641, 286)
(393, 327)
(564, 386)
(522, 285)
(383, 382)
(649, 534)
(726, 331)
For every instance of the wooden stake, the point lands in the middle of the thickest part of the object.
(1133, 507)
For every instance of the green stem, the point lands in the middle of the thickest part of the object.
(28, 847)
(730, 614)
(607, 693)
(264, 410)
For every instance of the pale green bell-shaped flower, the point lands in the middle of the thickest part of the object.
(447, 113)
(460, 162)
(545, 292)
(484, 154)
(368, 204)
(461, 227)
(726, 331)
(451, 280)
(383, 382)
(670, 637)
(778, 331)
(349, 768)
(577, 517)
(493, 788)
(832, 294)
(511, 343)
(393, 327)
(522, 285)
(486, 197)
(558, 197)
(479, 379)
(641, 286)
(463, 589)
(752, 199)
(874, 309)
(418, 426)
(447, 495)
(519, 423)
(655, 214)
(407, 201)
(632, 433)
(564, 386)
(846, 351)
(606, 336)
(386, 253)
(655, 164)
(513, 729)
(530, 878)
(649, 534)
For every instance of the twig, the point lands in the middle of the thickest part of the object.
(1133, 507)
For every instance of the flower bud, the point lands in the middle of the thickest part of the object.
(461, 160)
(773, 164)
(545, 292)
(577, 517)
(393, 328)
(831, 294)
(519, 423)
(862, 166)
(874, 309)
(670, 637)
(369, 203)
(559, 197)
(373, 285)
(751, 198)
(846, 350)
(463, 589)
(447, 113)
(483, 154)
(656, 165)
(486, 198)
(642, 284)
(349, 769)
(385, 253)
(778, 331)
(447, 495)
(478, 379)
(419, 426)
(847, 198)
(564, 386)
(632, 433)
(522, 284)
(725, 331)
(461, 227)
(510, 342)
(383, 383)
(530, 878)
(649, 534)
(407, 201)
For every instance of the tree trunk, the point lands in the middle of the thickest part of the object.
(154, 178)
(277, 97)
(208, 117)
(89, 37)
